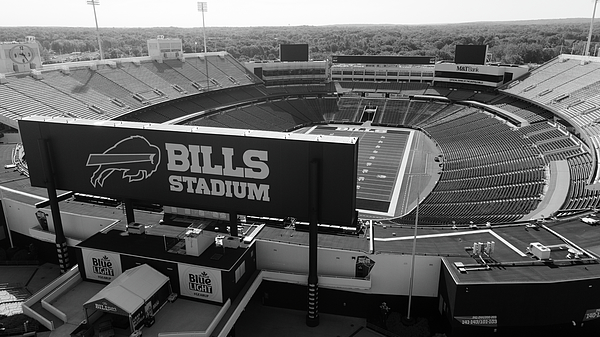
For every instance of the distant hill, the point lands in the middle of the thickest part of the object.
(568, 21)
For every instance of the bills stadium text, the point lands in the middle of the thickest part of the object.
(199, 159)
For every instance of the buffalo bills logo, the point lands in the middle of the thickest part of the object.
(134, 156)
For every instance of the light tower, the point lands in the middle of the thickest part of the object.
(589, 41)
(95, 3)
(203, 7)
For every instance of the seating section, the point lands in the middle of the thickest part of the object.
(107, 87)
(526, 110)
(17, 105)
(272, 115)
(70, 86)
(113, 90)
(490, 171)
(572, 88)
(421, 110)
(395, 112)
(580, 198)
(348, 109)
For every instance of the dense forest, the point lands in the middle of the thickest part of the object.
(521, 42)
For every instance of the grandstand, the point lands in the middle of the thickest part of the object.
(176, 90)
(496, 171)
(112, 89)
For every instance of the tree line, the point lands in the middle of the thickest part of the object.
(521, 42)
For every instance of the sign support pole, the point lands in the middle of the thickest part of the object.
(312, 317)
(129, 215)
(233, 231)
(60, 241)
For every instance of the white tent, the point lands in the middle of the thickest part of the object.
(129, 292)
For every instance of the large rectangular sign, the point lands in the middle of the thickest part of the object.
(224, 170)
(491, 76)
(200, 282)
(293, 52)
(100, 265)
(470, 54)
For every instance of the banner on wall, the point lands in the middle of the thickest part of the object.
(101, 266)
(200, 282)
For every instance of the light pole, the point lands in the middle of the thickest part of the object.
(203, 7)
(589, 41)
(414, 249)
(414, 246)
(94, 3)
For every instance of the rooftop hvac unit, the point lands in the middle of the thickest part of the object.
(490, 246)
(540, 251)
(231, 242)
(136, 228)
(477, 246)
(196, 242)
(36, 74)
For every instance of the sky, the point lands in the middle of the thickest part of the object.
(244, 13)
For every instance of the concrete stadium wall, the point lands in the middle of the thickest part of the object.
(20, 218)
(277, 256)
(11, 138)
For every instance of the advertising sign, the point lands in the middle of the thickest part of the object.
(101, 266)
(108, 306)
(200, 282)
(223, 170)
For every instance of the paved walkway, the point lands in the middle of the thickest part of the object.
(256, 321)
(259, 321)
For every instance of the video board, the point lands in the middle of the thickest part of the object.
(470, 54)
(293, 52)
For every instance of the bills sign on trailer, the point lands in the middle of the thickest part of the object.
(224, 170)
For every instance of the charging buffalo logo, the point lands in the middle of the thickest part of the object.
(134, 156)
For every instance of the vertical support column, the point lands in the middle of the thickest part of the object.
(233, 231)
(312, 317)
(60, 241)
(129, 215)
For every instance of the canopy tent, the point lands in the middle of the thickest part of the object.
(130, 292)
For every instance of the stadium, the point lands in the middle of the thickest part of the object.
(486, 168)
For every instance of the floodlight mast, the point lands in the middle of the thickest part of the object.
(94, 3)
(589, 41)
(203, 7)
(414, 249)
(414, 245)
